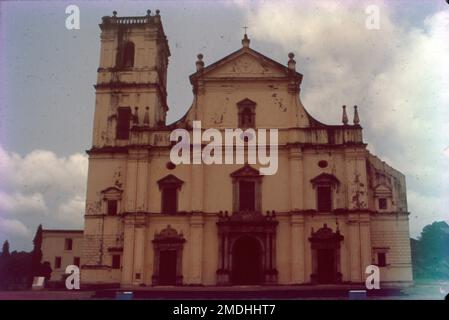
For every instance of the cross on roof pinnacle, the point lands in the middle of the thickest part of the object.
(245, 41)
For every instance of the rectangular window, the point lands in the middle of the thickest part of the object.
(58, 262)
(247, 196)
(324, 198)
(112, 207)
(116, 261)
(382, 203)
(381, 259)
(68, 244)
(169, 200)
(123, 123)
(76, 261)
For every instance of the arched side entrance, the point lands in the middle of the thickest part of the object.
(168, 246)
(247, 262)
(325, 246)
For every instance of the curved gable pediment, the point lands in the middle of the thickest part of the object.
(325, 178)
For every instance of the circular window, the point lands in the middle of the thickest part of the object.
(322, 163)
(246, 136)
(171, 165)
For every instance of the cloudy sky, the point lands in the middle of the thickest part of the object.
(398, 75)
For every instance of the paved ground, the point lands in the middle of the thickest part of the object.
(434, 291)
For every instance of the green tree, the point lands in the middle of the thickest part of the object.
(36, 254)
(4, 260)
(430, 253)
(5, 249)
(46, 270)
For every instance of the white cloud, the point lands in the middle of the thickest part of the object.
(14, 227)
(19, 203)
(40, 188)
(44, 171)
(446, 152)
(73, 210)
(427, 209)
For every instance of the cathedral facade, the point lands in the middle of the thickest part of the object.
(330, 210)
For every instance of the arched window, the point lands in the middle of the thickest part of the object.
(324, 185)
(247, 114)
(247, 118)
(112, 197)
(128, 55)
(246, 190)
(169, 186)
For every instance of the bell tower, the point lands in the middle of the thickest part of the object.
(131, 87)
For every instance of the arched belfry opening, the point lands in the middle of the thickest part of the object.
(325, 245)
(168, 246)
(128, 54)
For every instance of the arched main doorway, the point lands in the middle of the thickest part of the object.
(246, 261)
(167, 267)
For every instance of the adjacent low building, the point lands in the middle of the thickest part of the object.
(61, 248)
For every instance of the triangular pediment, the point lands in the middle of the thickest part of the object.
(246, 171)
(112, 190)
(382, 190)
(244, 63)
(170, 180)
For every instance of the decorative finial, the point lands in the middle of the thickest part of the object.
(146, 117)
(245, 40)
(356, 116)
(114, 13)
(199, 62)
(291, 61)
(148, 12)
(157, 12)
(344, 117)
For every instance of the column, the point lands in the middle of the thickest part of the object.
(131, 182)
(220, 251)
(365, 244)
(128, 251)
(139, 249)
(197, 191)
(296, 179)
(196, 248)
(142, 176)
(223, 275)
(354, 248)
(297, 249)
